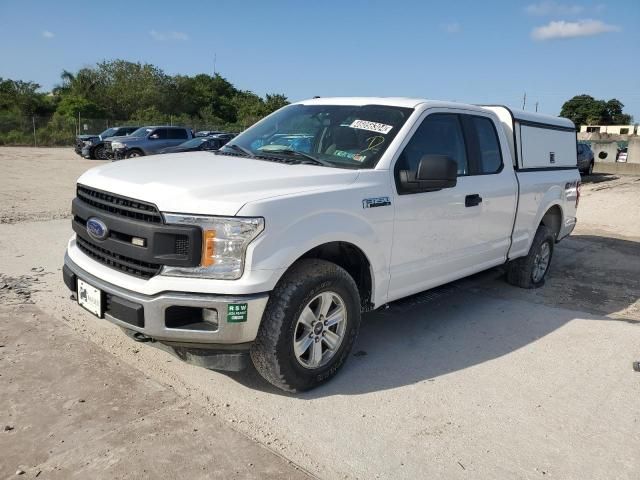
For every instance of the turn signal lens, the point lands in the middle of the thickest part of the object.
(208, 247)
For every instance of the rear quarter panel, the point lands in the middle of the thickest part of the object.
(539, 191)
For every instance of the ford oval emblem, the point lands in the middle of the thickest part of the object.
(97, 229)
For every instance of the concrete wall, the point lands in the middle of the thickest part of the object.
(607, 145)
(634, 151)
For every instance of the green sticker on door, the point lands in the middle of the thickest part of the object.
(237, 312)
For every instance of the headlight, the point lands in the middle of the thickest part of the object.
(224, 244)
(87, 142)
(117, 145)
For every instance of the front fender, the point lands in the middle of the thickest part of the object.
(283, 243)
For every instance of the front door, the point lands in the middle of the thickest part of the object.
(443, 235)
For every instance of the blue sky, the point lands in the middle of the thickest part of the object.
(471, 51)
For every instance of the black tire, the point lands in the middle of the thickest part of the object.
(272, 352)
(134, 153)
(100, 153)
(520, 272)
(590, 169)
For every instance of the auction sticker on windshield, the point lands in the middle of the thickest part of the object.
(371, 126)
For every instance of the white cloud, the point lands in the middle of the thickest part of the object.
(162, 36)
(453, 27)
(48, 34)
(581, 28)
(549, 7)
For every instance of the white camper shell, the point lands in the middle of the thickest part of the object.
(538, 141)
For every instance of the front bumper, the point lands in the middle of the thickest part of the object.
(86, 152)
(154, 317)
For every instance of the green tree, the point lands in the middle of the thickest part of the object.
(586, 110)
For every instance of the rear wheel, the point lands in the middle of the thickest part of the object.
(590, 169)
(531, 271)
(309, 326)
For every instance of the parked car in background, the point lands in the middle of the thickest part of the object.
(147, 141)
(92, 146)
(622, 155)
(208, 133)
(586, 159)
(197, 144)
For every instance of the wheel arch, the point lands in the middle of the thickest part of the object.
(353, 259)
(552, 219)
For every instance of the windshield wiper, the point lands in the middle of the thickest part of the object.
(306, 156)
(238, 148)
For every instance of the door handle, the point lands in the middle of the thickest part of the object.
(472, 200)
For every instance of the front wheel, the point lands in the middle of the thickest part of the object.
(100, 153)
(133, 154)
(531, 271)
(309, 326)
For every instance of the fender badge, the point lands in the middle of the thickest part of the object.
(376, 202)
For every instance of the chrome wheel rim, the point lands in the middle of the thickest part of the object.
(541, 262)
(320, 330)
(133, 155)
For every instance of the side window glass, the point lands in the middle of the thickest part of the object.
(439, 134)
(159, 134)
(177, 133)
(488, 145)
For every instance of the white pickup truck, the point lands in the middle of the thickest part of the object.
(272, 247)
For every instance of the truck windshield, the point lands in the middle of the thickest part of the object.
(336, 135)
(141, 132)
(109, 132)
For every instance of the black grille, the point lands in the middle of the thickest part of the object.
(182, 245)
(119, 262)
(118, 205)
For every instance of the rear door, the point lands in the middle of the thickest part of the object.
(443, 235)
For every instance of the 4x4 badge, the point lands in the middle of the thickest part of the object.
(376, 202)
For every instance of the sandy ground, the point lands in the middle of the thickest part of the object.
(474, 380)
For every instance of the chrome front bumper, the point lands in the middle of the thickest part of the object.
(155, 306)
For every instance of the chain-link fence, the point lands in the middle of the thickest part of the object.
(57, 130)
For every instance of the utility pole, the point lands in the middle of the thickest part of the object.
(524, 100)
(214, 63)
(33, 120)
(536, 107)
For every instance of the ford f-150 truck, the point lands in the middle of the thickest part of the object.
(271, 250)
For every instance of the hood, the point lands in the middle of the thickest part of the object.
(207, 183)
(125, 138)
(86, 137)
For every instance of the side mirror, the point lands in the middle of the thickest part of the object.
(154, 136)
(434, 172)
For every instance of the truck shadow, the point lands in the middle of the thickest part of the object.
(598, 178)
(482, 318)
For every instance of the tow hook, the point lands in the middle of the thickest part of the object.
(142, 338)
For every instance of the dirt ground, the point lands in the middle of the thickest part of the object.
(476, 379)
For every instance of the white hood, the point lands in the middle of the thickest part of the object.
(207, 183)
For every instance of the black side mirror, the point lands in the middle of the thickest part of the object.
(434, 172)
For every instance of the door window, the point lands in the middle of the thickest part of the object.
(489, 154)
(177, 134)
(158, 134)
(439, 134)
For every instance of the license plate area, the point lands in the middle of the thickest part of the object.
(90, 298)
